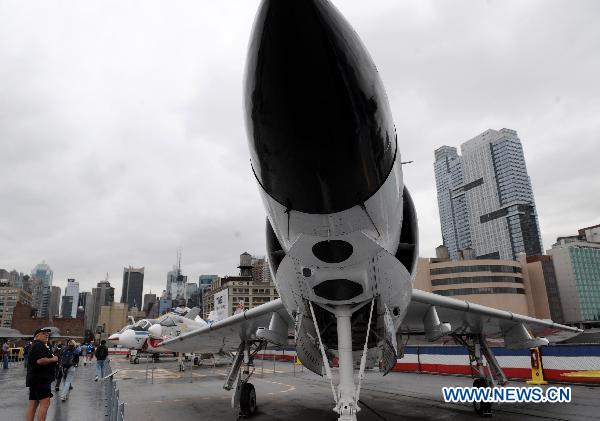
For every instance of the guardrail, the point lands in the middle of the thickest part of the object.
(115, 410)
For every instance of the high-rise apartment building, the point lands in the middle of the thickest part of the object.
(13, 278)
(86, 301)
(150, 305)
(485, 198)
(178, 289)
(43, 272)
(9, 296)
(66, 308)
(192, 295)
(205, 283)
(72, 290)
(37, 293)
(133, 285)
(577, 265)
(54, 309)
(103, 295)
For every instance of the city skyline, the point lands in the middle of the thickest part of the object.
(110, 158)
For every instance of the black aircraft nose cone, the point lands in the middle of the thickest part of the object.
(319, 124)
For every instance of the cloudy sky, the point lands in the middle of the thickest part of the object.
(122, 138)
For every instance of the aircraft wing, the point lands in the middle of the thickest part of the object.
(226, 335)
(465, 317)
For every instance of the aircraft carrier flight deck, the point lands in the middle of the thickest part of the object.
(285, 391)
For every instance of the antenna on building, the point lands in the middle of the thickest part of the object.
(179, 261)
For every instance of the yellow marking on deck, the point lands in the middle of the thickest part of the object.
(584, 373)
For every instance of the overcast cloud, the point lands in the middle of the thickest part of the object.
(122, 136)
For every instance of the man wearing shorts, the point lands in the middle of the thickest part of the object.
(41, 368)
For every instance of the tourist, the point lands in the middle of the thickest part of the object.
(84, 349)
(67, 363)
(41, 369)
(77, 351)
(57, 350)
(90, 352)
(101, 355)
(5, 348)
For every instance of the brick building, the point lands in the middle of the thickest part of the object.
(24, 322)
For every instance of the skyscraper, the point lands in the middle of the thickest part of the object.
(66, 308)
(43, 272)
(205, 283)
(72, 290)
(150, 305)
(103, 295)
(133, 285)
(485, 198)
(86, 301)
(54, 309)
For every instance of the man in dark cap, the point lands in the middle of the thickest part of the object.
(41, 367)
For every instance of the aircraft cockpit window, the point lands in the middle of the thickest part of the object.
(168, 322)
(144, 324)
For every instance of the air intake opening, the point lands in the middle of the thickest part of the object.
(338, 289)
(333, 251)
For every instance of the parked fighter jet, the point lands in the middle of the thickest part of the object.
(146, 334)
(341, 225)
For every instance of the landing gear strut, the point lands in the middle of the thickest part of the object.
(244, 396)
(347, 394)
(488, 375)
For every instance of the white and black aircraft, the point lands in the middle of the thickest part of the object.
(147, 334)
(341, 226)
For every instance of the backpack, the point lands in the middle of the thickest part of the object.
(101, 353)
(66, 359)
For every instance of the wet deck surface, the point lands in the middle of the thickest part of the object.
(290, 393)
(86, 400)
(281, 394)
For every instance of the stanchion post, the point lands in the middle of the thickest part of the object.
(121, 414)
(262, 363)
(153, 366)
(116, 403)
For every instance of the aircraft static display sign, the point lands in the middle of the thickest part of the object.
(222, 309)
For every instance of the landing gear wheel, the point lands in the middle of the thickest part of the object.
(484, 409)
(247, 400)
(136, 360)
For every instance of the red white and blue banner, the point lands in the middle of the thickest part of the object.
(560, 363)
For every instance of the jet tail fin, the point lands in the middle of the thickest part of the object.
(193, 313)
